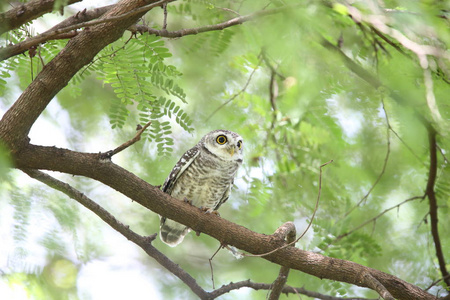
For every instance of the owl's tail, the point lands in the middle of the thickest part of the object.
(172, 233)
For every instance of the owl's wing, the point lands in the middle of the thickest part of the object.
(185, 161)
(224, 198)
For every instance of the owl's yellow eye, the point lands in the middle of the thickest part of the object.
(239, 144)
(221, 139)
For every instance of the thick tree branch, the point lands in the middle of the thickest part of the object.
(90, 165)
(433, 204)
(26, 12)
(17, 121)
(144, 242)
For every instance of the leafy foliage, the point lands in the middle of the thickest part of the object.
(129, 70)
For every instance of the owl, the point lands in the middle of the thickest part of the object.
(203, 176)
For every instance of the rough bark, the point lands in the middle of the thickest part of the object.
(26, 12)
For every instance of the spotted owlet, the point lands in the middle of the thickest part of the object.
(204, 175)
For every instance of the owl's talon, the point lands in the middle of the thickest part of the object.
(209, 211)
(186, 200)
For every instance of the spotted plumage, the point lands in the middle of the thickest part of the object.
(204, 175)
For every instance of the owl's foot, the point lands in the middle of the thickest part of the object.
(186, 200)
(210, 211)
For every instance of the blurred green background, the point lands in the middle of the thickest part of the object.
(296, 103)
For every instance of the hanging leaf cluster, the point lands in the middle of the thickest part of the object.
(142, 82)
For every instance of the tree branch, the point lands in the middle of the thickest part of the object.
(433, 204)
(286, 232)
(144, 242)
(221, 26)
(226, 232)
(266, 286)
(137, 137)
(341, 236)
(375, 285)
(26, 12)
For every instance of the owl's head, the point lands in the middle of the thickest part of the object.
(225, 144)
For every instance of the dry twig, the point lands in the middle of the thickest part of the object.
(137, 137)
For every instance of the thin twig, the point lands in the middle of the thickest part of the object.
(443, 154)
(238, 93)
(408, 147)
(137, 137)
(386, 158)
(420, 50)
(164, 27)
(211, 267)
(373, 219)
(435, 283)
(310, 223)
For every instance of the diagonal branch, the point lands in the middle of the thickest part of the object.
(433, 204)
(144, 242)
(374, 284)
(26, 12)
(137, 137)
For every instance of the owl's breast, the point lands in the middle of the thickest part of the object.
(205, 182)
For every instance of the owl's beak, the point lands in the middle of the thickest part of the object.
(231, 150)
